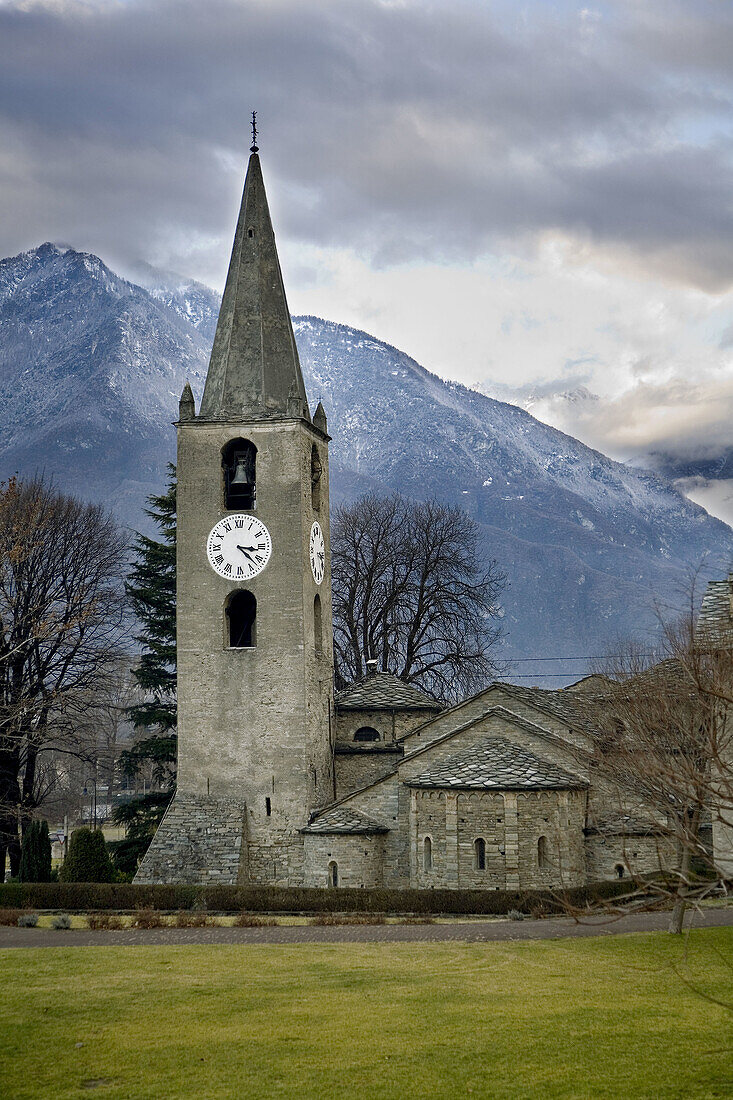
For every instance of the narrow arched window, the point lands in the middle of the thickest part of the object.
(242, 620)
(366, 733)
(316, 474)
(239, 464)
(619, 869)
(479, 853)
(317, 626)
(333, 873)
(427, 854)
(543, 855)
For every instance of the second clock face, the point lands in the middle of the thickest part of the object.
(239, 547)
(317, 553)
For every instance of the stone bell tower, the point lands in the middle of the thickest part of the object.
(254, 638)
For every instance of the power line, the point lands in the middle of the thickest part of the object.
(588, 657)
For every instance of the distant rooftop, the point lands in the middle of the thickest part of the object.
(715, 622)
(497, 765)
(384, 691)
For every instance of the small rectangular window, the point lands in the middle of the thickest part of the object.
(268, 807)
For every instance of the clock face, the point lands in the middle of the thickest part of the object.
(239, 547)
(318, 553)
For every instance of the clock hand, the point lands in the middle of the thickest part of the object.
(246, 549)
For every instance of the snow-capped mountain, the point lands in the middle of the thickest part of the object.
(91, 368)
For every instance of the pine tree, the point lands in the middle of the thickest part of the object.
(151, 588)
(35, 856)
(87, 859)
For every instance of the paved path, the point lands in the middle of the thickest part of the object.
(476, 931)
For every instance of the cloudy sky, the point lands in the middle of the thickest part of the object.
(534, 198)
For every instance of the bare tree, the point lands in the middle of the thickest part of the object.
(410, 591)
(656, 735)
(61, 631)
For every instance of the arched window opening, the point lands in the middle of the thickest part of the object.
(366, 733)
(543, 855)
(242, 619)
(427, 854)
(316, 474)
(318, 626)
(479, 853)
(333, 873)
(619, 870)
(250, 232)
(239, 463)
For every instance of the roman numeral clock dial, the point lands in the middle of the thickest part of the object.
(317, 553)
(239, 547)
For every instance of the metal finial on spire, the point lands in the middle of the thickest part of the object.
(253, 147)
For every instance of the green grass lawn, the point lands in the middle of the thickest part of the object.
(603, 1017)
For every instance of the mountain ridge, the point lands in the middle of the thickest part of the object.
(91, 367)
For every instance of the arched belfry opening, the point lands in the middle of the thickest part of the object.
(318, 625)
(316, 475)
(242, 620)
(239, 464)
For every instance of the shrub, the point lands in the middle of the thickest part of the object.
(249, 920)
(87, 859)
(62, 922)
(515, 914)
(349, 918)
(191, 919)
(10, 917)
(35, 853)
(27, 920)
(148, 918)
(104, 922)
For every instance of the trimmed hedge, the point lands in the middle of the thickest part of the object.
(84, 896)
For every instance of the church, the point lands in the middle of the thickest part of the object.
(282, 781)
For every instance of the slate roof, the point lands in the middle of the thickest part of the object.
(342, 820)
(715, 622)
(384, 691)
(497, 765)
(575, 708)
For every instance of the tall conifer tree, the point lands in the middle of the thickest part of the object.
(151, 588)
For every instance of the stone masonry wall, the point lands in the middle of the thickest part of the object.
(640, 855)
(510, 824)
(391, 725)
(560, 817)
(359, 859)
(200, 840)
(361, 765)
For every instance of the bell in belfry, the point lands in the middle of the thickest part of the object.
(240, 474)
(239, 461)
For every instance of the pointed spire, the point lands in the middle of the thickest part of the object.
(319, 418)
(254, 369)
(187, 405)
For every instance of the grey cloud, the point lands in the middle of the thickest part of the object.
(418, 130)
(696, 424)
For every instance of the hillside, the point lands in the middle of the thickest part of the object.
(91, 368)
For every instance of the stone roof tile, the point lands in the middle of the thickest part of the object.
(384, 691)
(340, 819)
(497, 765)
